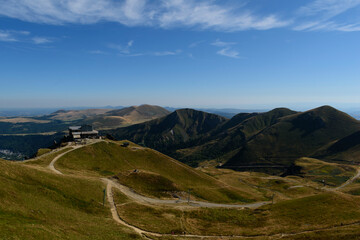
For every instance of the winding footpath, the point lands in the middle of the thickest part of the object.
(142, 199)
(351, 180)
(194, 204)
(51, 166)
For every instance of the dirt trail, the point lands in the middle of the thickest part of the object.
(142, 199)
(52, 163)
(110, 184)
(146, 234)
(115, 214)
(351, 180)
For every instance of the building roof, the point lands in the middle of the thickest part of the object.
(74, 128)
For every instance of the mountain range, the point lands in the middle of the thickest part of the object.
(22, 136)
(273, 139)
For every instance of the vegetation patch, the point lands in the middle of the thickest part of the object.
(36, 204)
(330, 174)
(42, 151)
(46, 159)
(154, 168)
(148, 183)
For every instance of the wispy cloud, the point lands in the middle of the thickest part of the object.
(123, 48)
(165, 53)
(12, 35)
(324, 15)
(41, 40)
(99, 52)
(228, 52)
(220, 43)
(22, 36)
(127, 51)
(195, 44)
(327, 8)
(130, 43)
(226, 48)
(202, 14)
(7, 37)
(189, 14)
(208, 15)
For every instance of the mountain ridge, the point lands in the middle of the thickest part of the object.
(274, 138)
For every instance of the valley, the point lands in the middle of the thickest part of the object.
(153, 201)
(274, 175)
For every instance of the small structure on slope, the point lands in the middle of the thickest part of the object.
(82, 132)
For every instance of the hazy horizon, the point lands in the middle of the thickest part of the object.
(261, 107)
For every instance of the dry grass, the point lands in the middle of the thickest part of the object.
(319, 212)
(35, 204)
(109, 159)
(46, 159)
(23, 120)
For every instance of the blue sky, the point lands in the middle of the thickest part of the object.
(181, 53)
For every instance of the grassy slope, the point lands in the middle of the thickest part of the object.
(317, 171)
(284, 188)
(36, 204)
(46, 159)
(345, 149)
(109, 159)
(310, 213)
(173, 131)
(42, 151)
(126, 116)
(294, 136)
(39, 205)
(192, 136)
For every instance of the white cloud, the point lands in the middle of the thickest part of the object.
(201, 14)
(41, 40)
(192, 14)
(208, 15)
(328, 8)
(195, 44)
(21, 36)
(6, 36)
(220, 43)
(13, 35)
(126, 51)
(228, 52)
(97, 52)
(165, 53)
(322, 14)
(123, 49)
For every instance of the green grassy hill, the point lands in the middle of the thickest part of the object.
(172, 132)
(346, 149)
(294, 136)
(126, 116)
(157, 174)
(322, 216)
(230, 136)
(192, 136)
(275, 138)
(35, 204)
